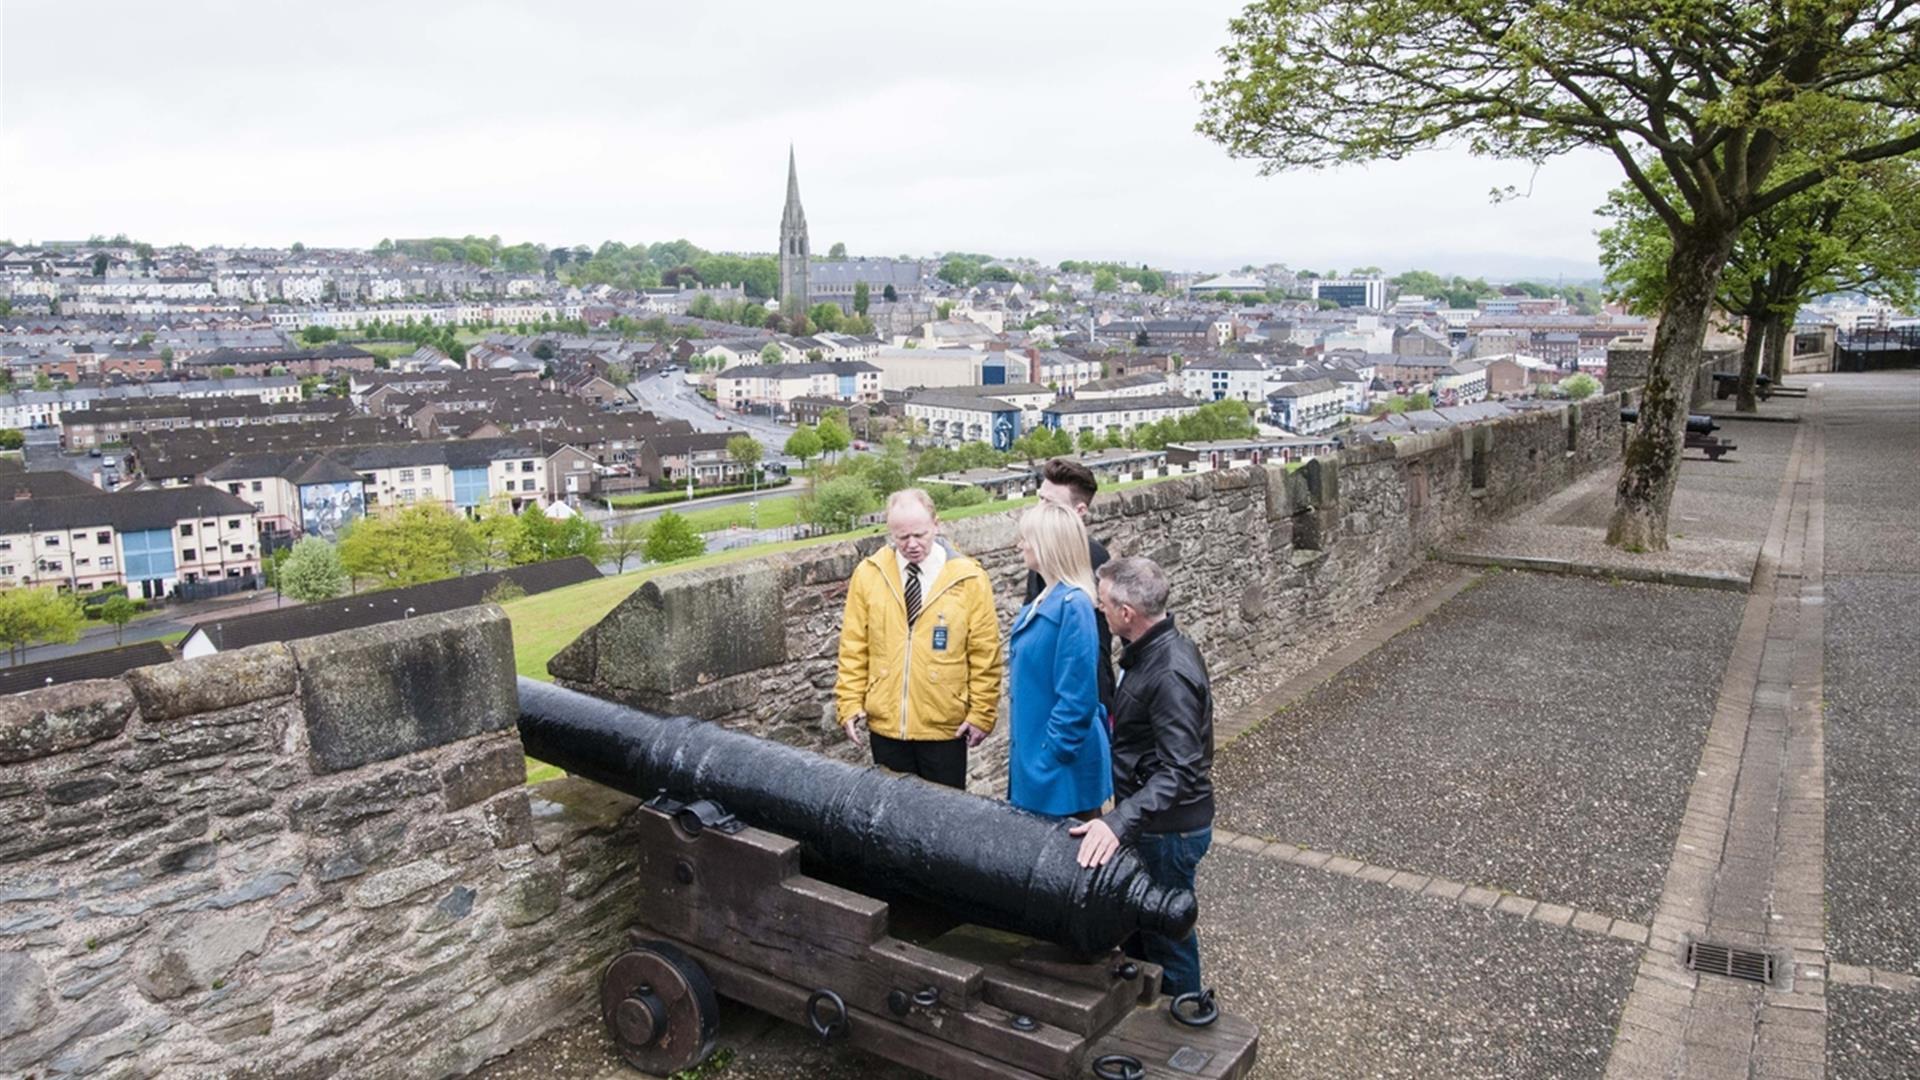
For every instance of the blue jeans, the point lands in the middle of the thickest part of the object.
(1171, 859)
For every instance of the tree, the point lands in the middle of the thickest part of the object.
(1579, 386)
(318, 335)
(746, 450)
(1858, 233)
(672, 539)
(118, 611)
(1141, 340)
(835, 505)
(771, 354)
(100, 263)
(888, 294)
(543, 350)
(624, 541)
(298, 248)
(837, 251)
(826, 316)
(1105, 280)
(48, 615)
(578, 537)
(862, 298)
(1715, 91)
(540, 539)
(498, 537)
(12, 439)
(313, 571)
(423, 542)
(834, 434)
(804, 443)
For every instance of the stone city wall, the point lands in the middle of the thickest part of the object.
(1261, 558)
(319, 859)
(294, 861)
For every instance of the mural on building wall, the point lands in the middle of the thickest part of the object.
(1005, 430)
(325, 509)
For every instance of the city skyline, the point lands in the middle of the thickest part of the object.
(1060, 140)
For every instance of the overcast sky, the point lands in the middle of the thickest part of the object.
(1053, 130)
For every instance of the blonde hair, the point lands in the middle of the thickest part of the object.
(1058, 539)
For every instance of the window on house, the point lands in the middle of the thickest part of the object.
(53, 541)
(406, 476)
(103, 538)
(233, 523)
(106, 562)
(6, 571)
(236, 548)
(256, 487)
(526, 466)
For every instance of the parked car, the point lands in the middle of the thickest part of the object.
(719, 414)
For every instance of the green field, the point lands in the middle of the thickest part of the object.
(388, 350)
(773, 513)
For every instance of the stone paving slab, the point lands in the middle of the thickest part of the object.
(1718, 519)
(1529, 736)
(1872, 1034)
(1349, 978)
(1873, 771)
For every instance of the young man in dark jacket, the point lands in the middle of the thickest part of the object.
(1073, 485)
(1162, 753)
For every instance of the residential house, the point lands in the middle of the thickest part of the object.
(1122, 414)
(149, 541)
(776, 386)
(1307, 407)
(1233, 376)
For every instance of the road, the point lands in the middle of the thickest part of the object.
(669, 397)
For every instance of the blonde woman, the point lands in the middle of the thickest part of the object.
(1058, 757)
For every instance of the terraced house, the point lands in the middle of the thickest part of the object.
(150, 541)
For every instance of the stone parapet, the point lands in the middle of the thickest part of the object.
(283, 862)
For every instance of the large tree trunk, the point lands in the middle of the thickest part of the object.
(1779, 332)
(1652, 462)
(1752, 350)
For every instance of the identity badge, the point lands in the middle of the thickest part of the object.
(940, 635)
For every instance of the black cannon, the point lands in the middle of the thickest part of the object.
(983, 860)
(960, 988)
(1699, 435)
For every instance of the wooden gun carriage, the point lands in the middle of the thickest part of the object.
(993, 953)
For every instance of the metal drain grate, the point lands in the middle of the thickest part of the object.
(1731, 962)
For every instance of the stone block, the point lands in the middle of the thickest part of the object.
(24, 1001)
(494, 769)
(64, 717)
(384, 691)
(529, 896)
(209, 683)
(199, 952)
(395, 885)
(679, 633)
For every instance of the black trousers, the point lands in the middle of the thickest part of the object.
(943, 761)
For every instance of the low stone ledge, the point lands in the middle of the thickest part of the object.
(682, 632)
(381, 692)
(211, 683)
(54, 719)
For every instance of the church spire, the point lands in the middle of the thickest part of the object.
(794, 249)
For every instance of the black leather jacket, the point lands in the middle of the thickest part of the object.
(1162, 737)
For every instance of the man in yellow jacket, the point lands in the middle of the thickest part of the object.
(920, 663)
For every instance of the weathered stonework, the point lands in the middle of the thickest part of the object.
(186, 891)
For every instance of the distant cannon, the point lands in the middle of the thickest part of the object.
(1699, 434)
(725, 909)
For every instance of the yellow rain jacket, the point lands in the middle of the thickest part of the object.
(951, 672)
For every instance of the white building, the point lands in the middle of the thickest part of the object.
(1308, 407)
(777, 385)
(1103, 415)
(1223, 378)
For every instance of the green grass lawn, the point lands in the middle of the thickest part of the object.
(773, 513)
(389, 350)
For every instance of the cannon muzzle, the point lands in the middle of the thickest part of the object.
(981, 860)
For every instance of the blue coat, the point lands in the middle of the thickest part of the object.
(1058, 761)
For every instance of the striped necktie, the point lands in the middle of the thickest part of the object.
(913, 593)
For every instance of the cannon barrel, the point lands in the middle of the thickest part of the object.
(981, 860)
(1697, 423)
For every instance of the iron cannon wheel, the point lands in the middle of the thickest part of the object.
(660, 1008)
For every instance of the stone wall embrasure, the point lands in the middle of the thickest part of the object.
(295, 861)
(1260, 557)
(318, 859)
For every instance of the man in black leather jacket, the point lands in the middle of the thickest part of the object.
(1162, 753)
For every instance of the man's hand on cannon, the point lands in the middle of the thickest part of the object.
(855, 726)
(973, 735)
(1097, 843)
